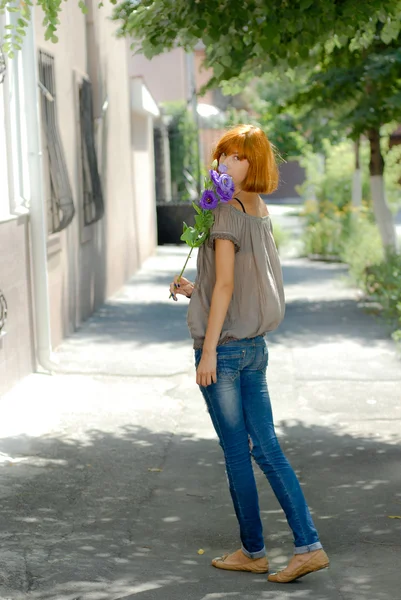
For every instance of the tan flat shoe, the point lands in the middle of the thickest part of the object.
(238, 561)
(319, 560)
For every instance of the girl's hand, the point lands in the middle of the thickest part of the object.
(183, 286)
(206, 371)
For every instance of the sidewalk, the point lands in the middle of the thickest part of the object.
(112, 481)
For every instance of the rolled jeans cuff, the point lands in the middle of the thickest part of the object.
(258, 554)
(311, 548)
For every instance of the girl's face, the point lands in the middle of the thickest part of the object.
(236, 168)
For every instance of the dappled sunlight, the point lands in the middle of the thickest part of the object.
(133, 509)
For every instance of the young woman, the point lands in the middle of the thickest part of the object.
(236, 299)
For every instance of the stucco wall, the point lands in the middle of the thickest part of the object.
(16, 347)
(143, 169)
(88, 264)
(164, 75)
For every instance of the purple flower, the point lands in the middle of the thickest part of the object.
(209, 200)
(225, 187)
(222, 169)
(215, 177)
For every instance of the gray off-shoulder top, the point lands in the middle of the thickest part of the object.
(257, 305)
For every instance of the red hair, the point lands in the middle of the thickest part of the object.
(251, 142)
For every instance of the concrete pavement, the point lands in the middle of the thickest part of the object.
(112, 482)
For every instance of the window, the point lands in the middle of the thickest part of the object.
(93, 205)
(60, 205)
(14, 174)
(4, 164)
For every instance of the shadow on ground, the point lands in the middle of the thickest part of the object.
(144, 321)
(107, 518)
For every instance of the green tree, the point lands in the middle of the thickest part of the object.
(361, 88)
(351, 49)
(255, 36)
(241, 35)
(295, 130)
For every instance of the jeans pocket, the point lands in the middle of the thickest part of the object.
(262, 358)
(229, 362)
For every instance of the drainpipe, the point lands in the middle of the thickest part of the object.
(38, 230)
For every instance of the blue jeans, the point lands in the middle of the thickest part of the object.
(239, 406)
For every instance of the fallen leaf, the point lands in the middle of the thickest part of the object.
(394, 517)
(200, 551)
(155, 470)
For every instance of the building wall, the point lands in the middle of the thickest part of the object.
(16, 346)
(88, 264)
(202, 76)
(165, 75)
(142, 139)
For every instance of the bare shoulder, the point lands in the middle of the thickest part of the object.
(263, 209)
(257, 209)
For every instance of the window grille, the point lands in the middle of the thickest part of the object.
(3, 311)
(93, 204)
(60, 205)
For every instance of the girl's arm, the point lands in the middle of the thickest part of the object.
(221, 298)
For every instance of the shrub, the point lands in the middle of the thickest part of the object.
(362, 248)
(329, 175)
(326, 228)
(184, 151)
(377, 274)
(383, 284)
(323, 238)
(281, 236)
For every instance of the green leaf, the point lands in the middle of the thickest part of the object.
(201, 240)
(83, 7)
(196, 207)
(218, 70)
(190, 236)
(226, 61)
(390, 31)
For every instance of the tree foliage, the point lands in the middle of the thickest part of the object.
(361, 89)
(250, 35)
(22, 11)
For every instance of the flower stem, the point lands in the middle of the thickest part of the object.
(183, 268)
(186, 262)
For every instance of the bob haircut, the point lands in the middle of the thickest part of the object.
(251, 143)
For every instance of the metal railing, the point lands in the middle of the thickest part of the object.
(60, 205)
